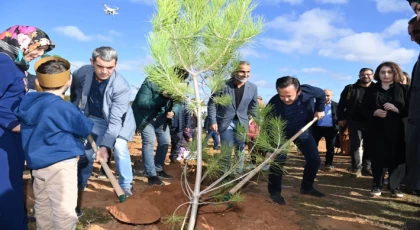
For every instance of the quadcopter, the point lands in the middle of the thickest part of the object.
(110, 11)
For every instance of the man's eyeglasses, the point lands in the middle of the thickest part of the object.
(366, 75)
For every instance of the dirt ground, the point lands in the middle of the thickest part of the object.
(348, 204)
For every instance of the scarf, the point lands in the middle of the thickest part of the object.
(19, 40)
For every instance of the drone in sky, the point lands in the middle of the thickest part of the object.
(110, 11)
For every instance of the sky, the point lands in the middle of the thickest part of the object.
(323, 43)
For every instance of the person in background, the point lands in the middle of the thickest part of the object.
(211, 133)
(180, 123)
(407, 79)
(327, 127)
(348, 115)
(384, 107)
(225, 119)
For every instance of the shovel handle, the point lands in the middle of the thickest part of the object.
(257, 169)
(117, 188)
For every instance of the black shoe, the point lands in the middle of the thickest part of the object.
(216, 148)
(79, 212)
(367, 172)
(416, 192)
(163, 175)
(312, 192)
(154, 180)
(278, 199)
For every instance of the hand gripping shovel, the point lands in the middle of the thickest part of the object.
(258, 168)
(134, 211)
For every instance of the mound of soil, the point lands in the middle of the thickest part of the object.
(257, 212)
(135, 212)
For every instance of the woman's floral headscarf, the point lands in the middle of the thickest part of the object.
(20, 40)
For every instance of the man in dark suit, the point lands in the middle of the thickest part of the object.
(297, 105)
(226, 119)
(327, 127)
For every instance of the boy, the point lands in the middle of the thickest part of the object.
(51, 130)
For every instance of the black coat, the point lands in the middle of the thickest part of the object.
(385, 136)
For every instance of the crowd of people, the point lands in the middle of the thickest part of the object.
(39, 127)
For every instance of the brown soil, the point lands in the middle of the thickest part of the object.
(135, 211)
(347, 206)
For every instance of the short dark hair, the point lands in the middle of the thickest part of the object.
(398, 73)
(362, 70)
(181, 72)
(52, 67)
(413, 20)
(285, 81)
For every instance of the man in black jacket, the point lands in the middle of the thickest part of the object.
(413, 118)
(348, 115)
(327, 127)
(297, 105)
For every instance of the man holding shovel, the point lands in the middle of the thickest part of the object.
(298, 105)
(104, 97)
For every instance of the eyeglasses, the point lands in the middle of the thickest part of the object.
(366, 75)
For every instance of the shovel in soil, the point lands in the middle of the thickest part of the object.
(258, 168)
(132, 212)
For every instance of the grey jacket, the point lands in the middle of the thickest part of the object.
(116, 106)
(223, 115)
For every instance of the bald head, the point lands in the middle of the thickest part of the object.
(328, 96)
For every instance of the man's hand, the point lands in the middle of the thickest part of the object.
(102, 153)
(319, 115)
(342, 123)
(214, 127)
(170, 115)
(16, 129)
(187, 130)
(380, 113)
(391, 107)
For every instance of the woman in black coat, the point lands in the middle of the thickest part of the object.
(384, 106)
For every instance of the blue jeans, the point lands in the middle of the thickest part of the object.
(213, 134)
(121, 156)
(228, 137)
(154, 130)
(309, 148)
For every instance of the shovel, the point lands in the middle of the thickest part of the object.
(134, 211)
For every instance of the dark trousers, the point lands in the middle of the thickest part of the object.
(329, 133)
(359, 159)
(309, 148)
(176, 142)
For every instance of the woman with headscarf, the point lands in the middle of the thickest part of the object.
(19, 45)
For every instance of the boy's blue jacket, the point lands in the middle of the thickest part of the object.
(51, 129)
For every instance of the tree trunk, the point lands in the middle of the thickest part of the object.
(197, 184)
